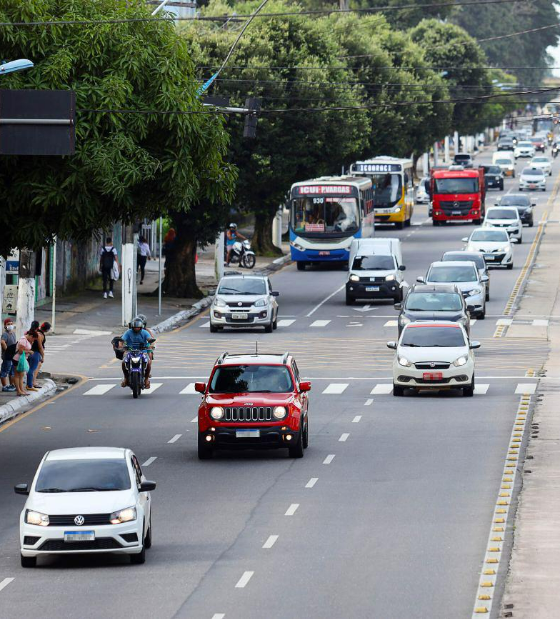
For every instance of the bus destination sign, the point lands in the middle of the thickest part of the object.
(359, 167)
(324, 189)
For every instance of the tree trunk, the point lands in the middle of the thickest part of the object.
(262, 239)
(180, 269)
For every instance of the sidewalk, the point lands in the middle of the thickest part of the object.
(533, 583)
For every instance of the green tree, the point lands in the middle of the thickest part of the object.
(127, 165)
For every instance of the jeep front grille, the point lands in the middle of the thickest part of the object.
(248, 414)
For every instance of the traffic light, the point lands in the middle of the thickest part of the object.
(250, 128)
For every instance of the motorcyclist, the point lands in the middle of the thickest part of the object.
(137, 338)
(232, 235)
(555, 148)
(144, 320)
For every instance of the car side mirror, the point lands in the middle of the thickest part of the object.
(421, 279)
(484, 279)
(274, 293)
(398, 306)
(21, 489)
(304, 386)
(392, 345)
(465, 239)
(496, 204)
(200, 387)
(471, 308)
(147, 485)
(514, 240)
(475, 344)
(533, 204)
(402, 267)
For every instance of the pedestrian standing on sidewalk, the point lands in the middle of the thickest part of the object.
(8, 343)
(44, 329)
(143, 255)
(107, 256)
(36, 355)
(23, 346)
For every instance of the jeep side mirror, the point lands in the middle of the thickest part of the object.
(200, 387)
(304, 386)
(392, 345)
(21, 489)
(398, 306)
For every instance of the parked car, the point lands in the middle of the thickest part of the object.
(542, 162)
(434, 356)
(493, 177)
(253, 401)
(505, 217)
(431, 302)
(477, 258)
(494, 243)
(524, 149)
(522, 203)
(86, 500)
(532, 179)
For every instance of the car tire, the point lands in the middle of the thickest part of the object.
(531, 224)
(435, 222)
(520, 189)
(398, 390)
(350, 300)
(520, 240)
(482, 315)
(139, 558)
(477, 222)
(543, 190)
(148, 539)
(269, 328)
(306, 436)
(275, 322)
(301, 265)
(28, 562)
(399, 225)
(487, 298)
(502, 186)
(469, 391)
(296, 452)
(213, 329)
(510, 266)
(204, 451)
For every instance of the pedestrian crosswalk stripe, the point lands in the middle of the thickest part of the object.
(481, 388)
(526, 388)
(335, 388)
(206, 324)
(382, 388)
(504, 321)
(473, 321)
(194, 420)
(320, 323)
(153, 387)
(99, 390)
(540, 322)
(286, 322)
(391, 324)
(189, 389)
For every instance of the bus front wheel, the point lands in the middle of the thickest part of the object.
(399, 225)
(301, 265)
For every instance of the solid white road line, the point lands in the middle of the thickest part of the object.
(321, 323)
(357, 418)
(245, 578)
(286, 322)
(504, 321)
(526, 388)
(189, 389)
(368, 402)
(335, 388)
(344, 436)
(6, 582)
(153, 387)
(481, 388)
(391, 324)
(270, 541)
(540, 323)
(382, 388)
(149, 461)
(311, 483)
(329, 459)
(98, 390)
(325, 300)
(291, 510)
(175, 438)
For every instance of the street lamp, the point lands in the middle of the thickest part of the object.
(15, 65)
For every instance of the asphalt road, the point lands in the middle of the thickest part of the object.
(388, 514)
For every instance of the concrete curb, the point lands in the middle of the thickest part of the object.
(21, 403)
(184, 316)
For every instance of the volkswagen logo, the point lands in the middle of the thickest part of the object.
(432, 364)
(79, 520)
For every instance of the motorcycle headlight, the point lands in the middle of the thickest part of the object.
(279, 412)
(260, 303)
(220, 303)
(474, 291)
(36, 518)
(403, 361)
(389, 278)
(354, 278)
(404, 320)
(216, 413)
(135, 360)
(461, 361)
(123, 516)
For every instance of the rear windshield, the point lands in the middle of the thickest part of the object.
(452, 273)
(515, 201)
(433, 337)
(459, 158)
(373, 263)
(434, 302)
(82, 475)
(501, 214)
(251, 378)
(477, 259)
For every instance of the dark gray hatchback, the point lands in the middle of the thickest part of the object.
(427, 302)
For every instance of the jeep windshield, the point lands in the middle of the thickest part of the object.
(251, 378)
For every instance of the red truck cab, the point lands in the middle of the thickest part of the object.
(457, 195)
(253, 401)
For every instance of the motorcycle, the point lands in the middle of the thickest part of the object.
(555, 151)
(136, 361)
(242, 254)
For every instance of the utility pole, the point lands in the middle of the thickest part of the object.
(128, 274)
(26, 292)
(343, 5)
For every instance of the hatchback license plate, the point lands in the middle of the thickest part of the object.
(372, 289)
(488, 257)
(79, 536)
(239, 316)
(432, 376)
(251, 434)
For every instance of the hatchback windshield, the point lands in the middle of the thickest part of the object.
(242, 286)
(515, 200)
(456, 186)
(251, 378)
(490, 235)
(452, 273)
(532, 172)
(373, 263)
(82, 475)
(433, 337)
(434, 302)
(501, 214)
(477, 259)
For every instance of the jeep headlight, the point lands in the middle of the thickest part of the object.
(389, 278)
(123, 516)
(279, 412)
(461, 361)
(36, 518)
(219, 303)
(260, 303)
(354, 278)
(404, 362)
(216, 413)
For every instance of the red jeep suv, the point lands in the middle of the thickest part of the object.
(253, 401)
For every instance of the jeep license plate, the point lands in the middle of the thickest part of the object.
(239, 316)
(432, 376)
(249, 434)
(79, 536)
(372, 289)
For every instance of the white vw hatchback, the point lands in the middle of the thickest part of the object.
(86, 500)
(433, 355)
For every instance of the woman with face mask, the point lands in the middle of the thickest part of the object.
(8, 343)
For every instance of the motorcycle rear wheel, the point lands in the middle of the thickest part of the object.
(135, 385)
(249, 261)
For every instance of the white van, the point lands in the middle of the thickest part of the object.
(375, 270)
(506, 161)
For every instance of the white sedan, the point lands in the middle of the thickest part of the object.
(86, 500)
(543, 163)
(507, 218)
(434, 355)
(494, 243)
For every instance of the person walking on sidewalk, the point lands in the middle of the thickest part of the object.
(107, 256)
(143, 255)
(8, 343)
(23, 346)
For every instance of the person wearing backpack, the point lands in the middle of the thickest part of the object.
(107, 257)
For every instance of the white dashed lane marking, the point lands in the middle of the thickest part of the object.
(5, 582)
(153, 387)
(481, 388)
(189, 389)
(382, 388)
(270, 541)
(504, 321)
(368, 402)
(320, 323)
(391, 324)
(99, 390)
(357, 418)
(312, 482)
(526, 388)
(344, 436)
(174, 438)
(329, 459)
(335, 388)
(286, 322)
(245, 578)
(473, 321)
(291, 510)
(149, 461)
(194, 420)
(540, 322)
(207, 324)
(218, 616)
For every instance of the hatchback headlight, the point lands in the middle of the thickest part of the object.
(404, 362)
(404, 320)
(461, 361)
(354, 277)
(474, 291)
(279, 412)
(260, 303)
(389, 278)
(123, 516)
(220, 303)
(216, 413)
(36, 518)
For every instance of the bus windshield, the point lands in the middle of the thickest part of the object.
(457, 186)
(325, 214)
(387, 190)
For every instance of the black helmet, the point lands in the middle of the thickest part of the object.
(143, 318)
(137, 323)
